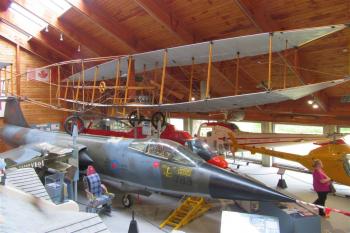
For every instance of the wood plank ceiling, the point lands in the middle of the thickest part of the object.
(110, 27)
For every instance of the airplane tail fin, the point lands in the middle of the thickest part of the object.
(14, 114)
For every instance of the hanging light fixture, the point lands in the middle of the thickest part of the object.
(78, 48)
(310, 102)
(47, 28)
(61, 37)
(315, 106)
(193, 98)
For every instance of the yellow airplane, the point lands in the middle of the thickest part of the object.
(334, 156)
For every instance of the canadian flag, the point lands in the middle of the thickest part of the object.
(38, 74)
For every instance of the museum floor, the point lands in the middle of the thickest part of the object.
(151, 211)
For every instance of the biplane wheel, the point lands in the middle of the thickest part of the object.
(70, 121)
(158, 117)
(127, 200)
(133, 119)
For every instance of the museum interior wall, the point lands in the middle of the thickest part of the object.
(34, 114)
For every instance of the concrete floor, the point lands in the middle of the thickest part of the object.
(151, 211)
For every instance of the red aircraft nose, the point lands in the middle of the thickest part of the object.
(219, 161)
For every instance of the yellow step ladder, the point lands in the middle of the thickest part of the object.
(190, 208)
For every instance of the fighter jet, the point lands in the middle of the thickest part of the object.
(140, 165)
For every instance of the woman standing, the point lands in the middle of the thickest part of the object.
(321, 183)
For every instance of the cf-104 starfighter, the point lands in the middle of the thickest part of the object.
(139, 166)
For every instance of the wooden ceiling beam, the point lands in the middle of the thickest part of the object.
(88, 47)
(161, 14)
(97, 15)
(258, 16)
(170, 22)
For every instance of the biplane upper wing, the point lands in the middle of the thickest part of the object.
(230, 102)
(222, 50)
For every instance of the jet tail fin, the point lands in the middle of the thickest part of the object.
(13, 113)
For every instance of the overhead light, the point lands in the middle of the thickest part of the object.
(315, 106)
(78, 48)
(47, 28)
(61, 37)
(193, 99)
(310, 102)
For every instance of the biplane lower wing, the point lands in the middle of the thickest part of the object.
(229, 102)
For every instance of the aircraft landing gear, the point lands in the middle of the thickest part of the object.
(127, 200)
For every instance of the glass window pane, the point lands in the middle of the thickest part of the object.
(344, 130)
(252, 127)
(177, 122)
(298, 129)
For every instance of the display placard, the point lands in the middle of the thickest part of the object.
(252, 223)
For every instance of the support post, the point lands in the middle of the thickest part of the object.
(93, 88)
(127, 82)
(207, 92)
(117, 76)
(270, 62)
(58, 85)
(266, 127)
(78, 88)
(285, 67)
(191, 80)
(165, 60)
(18, 70)
(11, 79)
(6, 84)
(237, 74)
(50, 87)
(73, 83)
(66, 91)
(83, 78)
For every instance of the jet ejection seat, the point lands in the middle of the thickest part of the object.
(97, 194)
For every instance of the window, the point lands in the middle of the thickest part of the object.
(205, 131)
(344, 130)
(302, 149)
(298, 129)
(196, 124)
(27, 16)
(347, 164)
(177, 122)
(252, 127)
(59, 6)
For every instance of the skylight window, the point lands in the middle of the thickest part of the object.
(59, 6)
(28, 16)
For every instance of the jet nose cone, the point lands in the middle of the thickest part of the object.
(227, 185)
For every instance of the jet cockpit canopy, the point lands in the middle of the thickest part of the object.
(166, 150)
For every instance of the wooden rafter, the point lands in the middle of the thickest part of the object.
(97, 15)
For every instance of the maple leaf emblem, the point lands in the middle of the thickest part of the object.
(42, 74)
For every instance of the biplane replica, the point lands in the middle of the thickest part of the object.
(126, 84)
(114, 80)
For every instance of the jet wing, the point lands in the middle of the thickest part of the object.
(230, 102)
(34, 155)
(222, 50)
